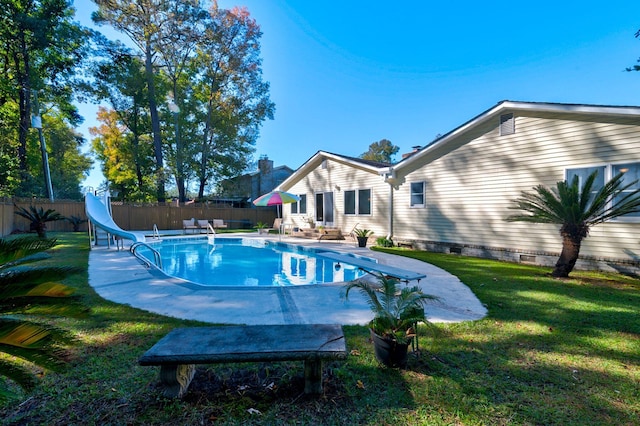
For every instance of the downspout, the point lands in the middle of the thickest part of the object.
(389, 177)
(390, 234)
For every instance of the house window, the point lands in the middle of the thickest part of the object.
(357, 201)
(507, 124)
(417, 194)
(324, 164)
(364, 201)
(349, 202)
(300, 206)
(583, 173)
(631, 173)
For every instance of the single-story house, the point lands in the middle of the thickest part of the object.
(454, 194)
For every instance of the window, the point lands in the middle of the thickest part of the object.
(631, 173)
(300, 206)
(364, 201)
(417, 194)
(583, 174)
(349, 202)
(507, 124)
(357, 201)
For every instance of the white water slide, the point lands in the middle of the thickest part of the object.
(99, 214)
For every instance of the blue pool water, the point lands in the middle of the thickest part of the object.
(241, 262)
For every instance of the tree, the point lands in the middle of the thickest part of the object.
(143, 21)
(233, 99)
(635, 67)
(68, 164)
(126, 157)
(28, 295)
(382, 151)
(40, 47)
(576, 210)
(123, 143)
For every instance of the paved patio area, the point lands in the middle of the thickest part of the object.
(120, 277)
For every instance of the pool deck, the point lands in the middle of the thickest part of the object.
(120, 277)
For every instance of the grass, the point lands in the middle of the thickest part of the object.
(550, 352)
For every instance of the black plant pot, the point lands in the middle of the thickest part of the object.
(362, 241)
(389, 352)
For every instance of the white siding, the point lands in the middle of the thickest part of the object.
(338, 177)
(469, 189)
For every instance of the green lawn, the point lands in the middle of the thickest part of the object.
(550, 352)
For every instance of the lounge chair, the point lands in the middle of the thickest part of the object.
(219, 223)
(189, 224)
(277, 224)
(203, 224)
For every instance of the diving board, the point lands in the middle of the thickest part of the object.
(98, 213)
(368, 266)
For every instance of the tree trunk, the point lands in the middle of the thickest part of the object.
(568, 256)
(155, 126)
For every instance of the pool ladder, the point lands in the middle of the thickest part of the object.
(157, 259)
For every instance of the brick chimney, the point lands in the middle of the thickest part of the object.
(414, 148)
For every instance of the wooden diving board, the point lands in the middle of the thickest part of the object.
(368, 266)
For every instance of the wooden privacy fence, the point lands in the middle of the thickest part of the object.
(135, 217)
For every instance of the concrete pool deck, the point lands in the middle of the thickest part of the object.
(120, 277)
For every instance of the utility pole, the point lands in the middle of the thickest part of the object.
(36, 122)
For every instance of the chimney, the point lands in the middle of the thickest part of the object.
(414, 148)
(265, 165)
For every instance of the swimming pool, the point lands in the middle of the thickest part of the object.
(242, 262)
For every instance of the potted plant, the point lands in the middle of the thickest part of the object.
(396, 314)
(261, 226)
(362, 235)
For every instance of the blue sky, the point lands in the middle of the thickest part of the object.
(344, 74)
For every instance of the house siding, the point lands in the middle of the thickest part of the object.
(338, 177)
(470, 188)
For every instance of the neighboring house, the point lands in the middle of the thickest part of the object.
(252, 185)
(454, 194)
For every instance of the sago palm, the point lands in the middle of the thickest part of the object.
(396, 310)
(28, 294)
(39, 218)
(576, 210)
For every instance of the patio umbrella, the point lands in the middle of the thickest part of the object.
(276, 198)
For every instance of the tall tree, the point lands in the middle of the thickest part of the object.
(144, 22)
(123, 142)
(126, 158)
(177, 44)
(576, 209)
(233, 98)
(382, 151)
(39, 51)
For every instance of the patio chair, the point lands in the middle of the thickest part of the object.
(219, 223)
(277, 224)
(203, 224)
(352, 233)
(189, 224)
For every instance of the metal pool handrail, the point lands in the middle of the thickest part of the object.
(157, 259)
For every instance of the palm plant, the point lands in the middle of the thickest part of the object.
(39, 218)
(576, 210)
(396, 311)
(27, 295)
(75, 221)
